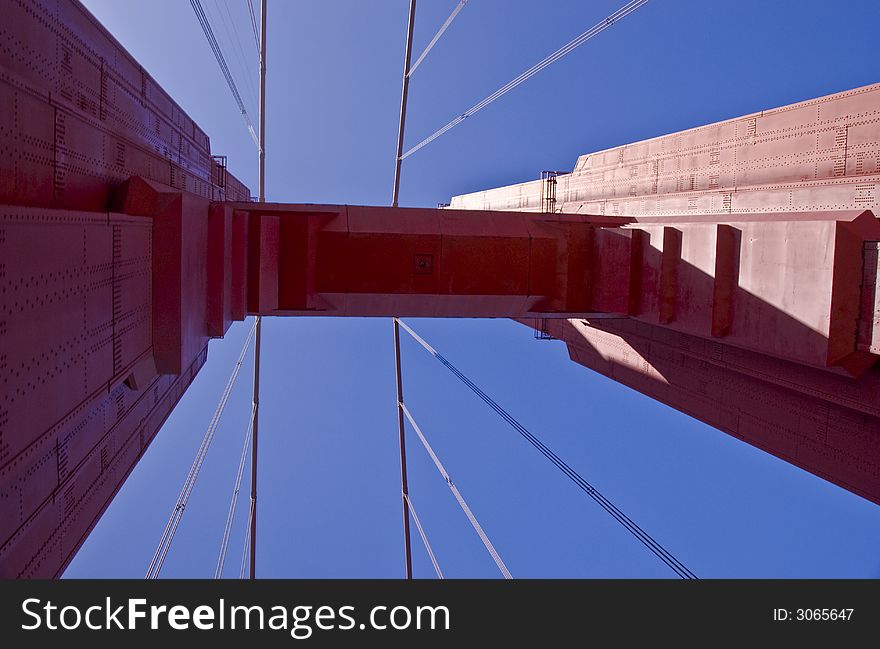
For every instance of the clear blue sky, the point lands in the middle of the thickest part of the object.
(329, 481)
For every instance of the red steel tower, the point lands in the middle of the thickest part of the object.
(729, 271)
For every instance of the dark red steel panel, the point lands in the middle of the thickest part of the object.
(740, 288)
(824, 423)
(83, 397)
(264, 233)
(219, 260)
(727, 252)
(239, 264)
(32, 151)
(96, 457)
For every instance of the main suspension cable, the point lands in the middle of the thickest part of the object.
(192, 476)
(646, 539)
(455, 492)
(224, 68)
(596, 29)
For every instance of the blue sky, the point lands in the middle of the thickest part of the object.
(329, 476)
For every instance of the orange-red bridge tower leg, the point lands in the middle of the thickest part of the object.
(125, 246)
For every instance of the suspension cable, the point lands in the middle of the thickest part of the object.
(245, 551)
(401, 124)
(253, 14)
(437, 36)
(412, 510)
(646, 539)
(401, 437)
(395, 192)
(252, 518)
(224, 68)
(227, 531)
(455, 492)
(192, 476)
(232, 34)
(596, 29)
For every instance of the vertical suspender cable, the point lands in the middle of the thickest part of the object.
(230, 515)
(263, 102)
(401, 432)
(403, 95)
(256, 418)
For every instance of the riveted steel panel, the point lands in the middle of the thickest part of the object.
(78, 116)
(767, 154)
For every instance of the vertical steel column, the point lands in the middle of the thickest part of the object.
(404, 488)
(403, 94)
(253, 530)
(263, 102)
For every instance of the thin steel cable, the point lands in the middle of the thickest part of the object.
(253, 14)
(227, 531)
(245, 551)
(609, 507)
(395, 194)
(404, 93)
(437, 36)
(252, 521)
(596, 29)
(192, 476)
(412, 510)
(646, 539)
(255, 415)
(229, 26)
(224, 68)
(232, 22)
(455, 492)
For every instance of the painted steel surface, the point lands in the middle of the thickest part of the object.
(737, 338)
(729, 271)
(81, 395)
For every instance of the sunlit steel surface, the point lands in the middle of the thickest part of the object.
(729, 271)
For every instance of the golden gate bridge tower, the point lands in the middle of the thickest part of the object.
(729, 271)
